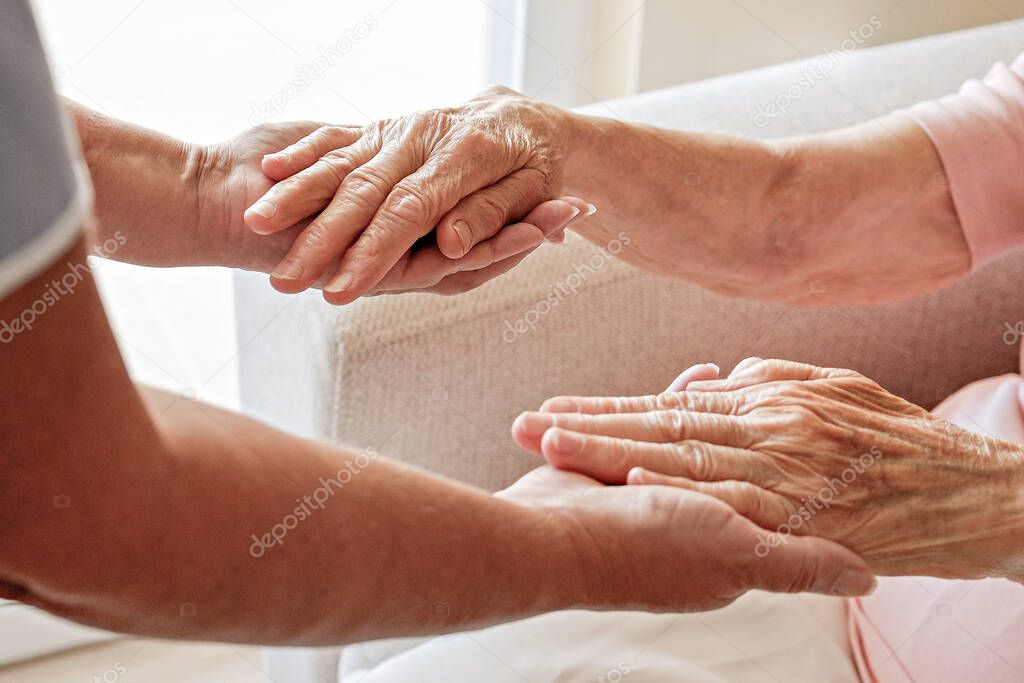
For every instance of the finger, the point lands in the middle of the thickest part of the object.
(759, 371)
(305, 152)
(410, 210)
(780, 562)
(765, 508)
(459, 283)
(429, 269)
(597, 405)
(308, 191)
(429, 266)
(336, 228)
(808, 564)
(480, 215)
(610, 460)
(744, 365)
(695, 373)
(667, 426)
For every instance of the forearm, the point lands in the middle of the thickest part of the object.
(843, 211)
(146, 187)
(248, 534)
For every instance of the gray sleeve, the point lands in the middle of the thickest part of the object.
(43, 194)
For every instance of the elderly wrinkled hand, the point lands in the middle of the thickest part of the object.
(803, 450)
(468, 171)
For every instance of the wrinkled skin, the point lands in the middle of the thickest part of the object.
(232, 177)
(809, 450)
(468, 170)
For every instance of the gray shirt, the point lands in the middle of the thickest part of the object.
(44, 194)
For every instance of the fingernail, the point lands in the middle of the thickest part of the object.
(462, 229)
(535, 424)
(263, 208)
(566, 443)
(340, 283)
(854, 582)
(575, 214)
(715, 366)
(278, 156)
(289, 269)
(591, 210)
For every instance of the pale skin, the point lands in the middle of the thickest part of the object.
(864, 210)
(133, 509)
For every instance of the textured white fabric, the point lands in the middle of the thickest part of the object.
(434, 381)
(762, 638)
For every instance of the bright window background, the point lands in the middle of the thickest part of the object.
(203, 70)
(200, 70)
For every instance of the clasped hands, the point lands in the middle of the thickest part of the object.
(439, 201)
(806, 451)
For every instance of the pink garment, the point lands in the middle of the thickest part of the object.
(979, 134)
(931, 630)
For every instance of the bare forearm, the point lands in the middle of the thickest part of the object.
(322, 545)
(818, 219)
(146, 187)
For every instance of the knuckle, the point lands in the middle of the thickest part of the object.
(622, 454)
(669, 425)
(317, 237)
(670, 400)
(293, 185)
(694, 459)
(488, 210)
(369, 179)
(408, 205)
(338, 164)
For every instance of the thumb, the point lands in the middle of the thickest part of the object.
(800, 564)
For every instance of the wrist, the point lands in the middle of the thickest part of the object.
(207, 172)
(588, 140)
(985, 530)
(1009, 563)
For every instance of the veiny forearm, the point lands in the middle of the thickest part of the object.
(819, 219)
(381, 550)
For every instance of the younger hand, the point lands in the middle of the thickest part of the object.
(665, 549)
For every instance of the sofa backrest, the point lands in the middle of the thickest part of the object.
(437, 381)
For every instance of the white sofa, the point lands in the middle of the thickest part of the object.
(434, 382)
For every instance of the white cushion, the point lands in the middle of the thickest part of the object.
(762, 638)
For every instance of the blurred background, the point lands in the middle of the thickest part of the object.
(204, 70)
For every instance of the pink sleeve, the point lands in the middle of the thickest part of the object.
(979, 134)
